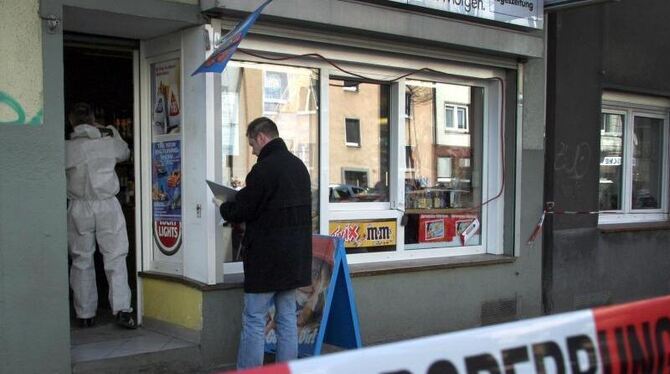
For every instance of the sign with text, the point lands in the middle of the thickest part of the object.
(166, 195)
(627, 338)
(358, 234)
(527, 13)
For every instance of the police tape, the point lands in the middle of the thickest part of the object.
(627, 338)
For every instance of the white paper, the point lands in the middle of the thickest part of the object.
(223, 193)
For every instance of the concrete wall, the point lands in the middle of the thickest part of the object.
(35, 334)
(21, 43)
(621, 45)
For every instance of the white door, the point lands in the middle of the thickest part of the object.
(176, 151)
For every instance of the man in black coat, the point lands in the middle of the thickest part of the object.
(275, 205)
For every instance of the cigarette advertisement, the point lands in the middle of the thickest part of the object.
(166, 195)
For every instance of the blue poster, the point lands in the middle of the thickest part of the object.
(166, 194)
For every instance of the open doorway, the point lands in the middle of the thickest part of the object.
(99, 71)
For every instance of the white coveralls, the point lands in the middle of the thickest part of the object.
(94, 213)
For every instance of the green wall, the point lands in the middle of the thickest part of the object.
(35, 335)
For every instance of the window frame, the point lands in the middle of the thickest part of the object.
(346, 133)
(279, 101)
(456, 107)
(494, 212)
(631, 110)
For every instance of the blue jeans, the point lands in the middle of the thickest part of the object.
(252, 339)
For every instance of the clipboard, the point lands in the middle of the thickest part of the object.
(223, 193)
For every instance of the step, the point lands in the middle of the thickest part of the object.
(110, 349)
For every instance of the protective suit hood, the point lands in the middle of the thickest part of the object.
(85, 131)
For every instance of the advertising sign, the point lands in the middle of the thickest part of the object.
(310, 300)
(358, 234)
(528, 13)
(166, 195)
(166, 100)
(325, 310)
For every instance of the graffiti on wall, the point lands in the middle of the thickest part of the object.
(571, 164)
(12, 112)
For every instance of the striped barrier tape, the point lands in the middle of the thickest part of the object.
(627, 338)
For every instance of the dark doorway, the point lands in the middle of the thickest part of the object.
(99, 71)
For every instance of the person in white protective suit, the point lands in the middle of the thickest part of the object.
(94, 214)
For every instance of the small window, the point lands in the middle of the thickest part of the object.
(275, 91)
(409, 158)
(353, 132)
(633, 181)
(444, 172)
(408, 104)
(456, 118)
(350, 86)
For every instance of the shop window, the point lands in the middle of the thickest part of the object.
(633, 183)
(350, 117)
(443, 192)
(285, 95)
(353, 132)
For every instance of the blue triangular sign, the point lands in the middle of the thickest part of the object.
(326, 310)
(340, 319)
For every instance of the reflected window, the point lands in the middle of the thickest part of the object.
(353, 132)
(359, 170)
(288, 96)
(647, 163)
(611, 155)
(443, 191)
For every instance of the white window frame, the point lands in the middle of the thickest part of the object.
(267, 100)
(454, 118)
(360, 133)
(637, 106)
(465, 74)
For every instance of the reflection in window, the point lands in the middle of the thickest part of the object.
(353, 132)
(288, 96)
(647, 162)
(275, 90)
(456, 118)
(611, 155)
(351, 116)
(443, 190)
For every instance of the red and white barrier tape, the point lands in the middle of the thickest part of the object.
(620, 339)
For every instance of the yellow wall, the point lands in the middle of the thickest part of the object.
(21, 82)
(173, 303)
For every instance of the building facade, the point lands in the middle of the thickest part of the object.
(421, 126)
(607, 155)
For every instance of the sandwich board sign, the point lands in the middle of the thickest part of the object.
(326, 309)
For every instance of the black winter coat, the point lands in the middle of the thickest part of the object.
(275, 204)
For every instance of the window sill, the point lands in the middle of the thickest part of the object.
(610, 228)
(426, 264)
(236, 281)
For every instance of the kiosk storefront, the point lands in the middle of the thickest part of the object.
(415, 122)
(420, 124)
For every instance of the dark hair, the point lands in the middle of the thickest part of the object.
(262, 125)
(81, 113)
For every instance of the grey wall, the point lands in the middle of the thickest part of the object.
(618, 45)
(34, 328)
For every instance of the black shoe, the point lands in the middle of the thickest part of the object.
(125, 319)
(86, 322)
